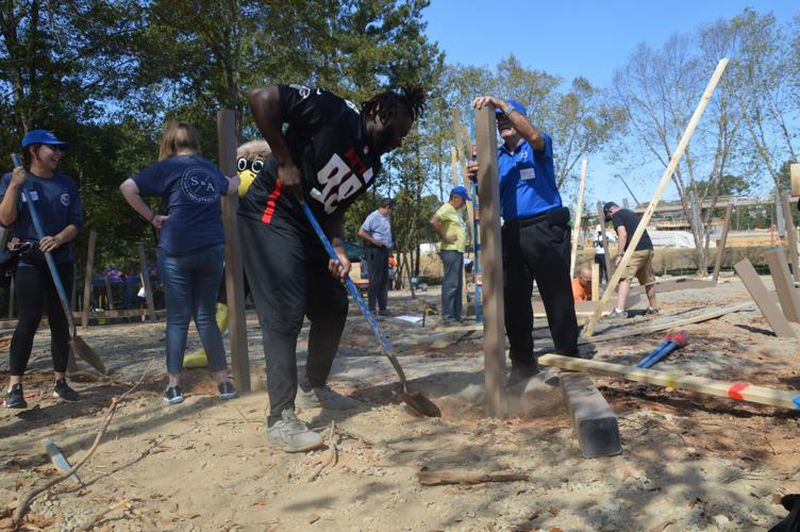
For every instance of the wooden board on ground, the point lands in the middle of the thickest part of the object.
(739, 390)
(665, 179)
(784, 284)
(491, 263)
(777, 321)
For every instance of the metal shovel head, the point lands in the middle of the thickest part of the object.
(421, 404)
(82, 349)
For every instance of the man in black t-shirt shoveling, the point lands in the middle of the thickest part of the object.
(327, 156)
(641, 263)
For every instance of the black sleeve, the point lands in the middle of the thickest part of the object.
(617, 219)
(307, 108)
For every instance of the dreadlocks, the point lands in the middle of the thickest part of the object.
(384, 105)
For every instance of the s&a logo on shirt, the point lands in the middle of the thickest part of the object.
(64, 199)
(198, 184)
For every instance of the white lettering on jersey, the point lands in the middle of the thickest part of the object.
(339, 181)
(304, 91)
(352, 106)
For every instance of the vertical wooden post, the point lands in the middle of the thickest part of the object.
(454, 164)
(722, 242)
(109, 293)
(662, 185)
(595, 281)
(791, 236)
(234, 275)
(491, 262)
(576, 226)
(87, 280)
(148, 289)
(784, 284)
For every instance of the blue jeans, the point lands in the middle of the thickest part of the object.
(191, 285)
(452, 283)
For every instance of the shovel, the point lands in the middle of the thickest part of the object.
(416, 401)
(79, 347)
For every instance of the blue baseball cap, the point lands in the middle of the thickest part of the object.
(461, 192)
(516, 105)
(42, 136)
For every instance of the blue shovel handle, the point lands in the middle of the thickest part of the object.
(670, 347)
(387, 347)
(37, 225)
(651, 354)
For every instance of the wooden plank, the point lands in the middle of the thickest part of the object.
(234, 275)
(604, 238)
(148, 289)
(576, 226)
(595, 281)
(791, 237)
(733, 390)
(665, 179)
(794, 178)
(491, 262)
(454, 164)
(784, 284)
(109, 292)
(777, 321)
(721, 246)
(673, 285)
(463, 152)
(583, 307)
(87, 279)
(593, 421)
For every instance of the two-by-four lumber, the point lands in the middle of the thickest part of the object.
(722, 243)
(595, 424)
(491, 262)
(765, 303)
(576, 226)
(234, 274)
(87, 279)
(665, 179)
(595, 281)
(148, 289)
(791, 237)
(784, 284)
(734, 390)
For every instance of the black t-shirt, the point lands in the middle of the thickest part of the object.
(630, 220)
(327, 141)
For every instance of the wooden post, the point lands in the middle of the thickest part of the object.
(606, 255)
(148, 289)
(784, 284)
(665, 179)
(722, 242)
(595, 281)
(794, 178)
(777, 321)
(491, 262)
(109, 293)
(791, 236)
(576, 226)
(454, 164)
(87, 280)
(234, 275)
(464, 151)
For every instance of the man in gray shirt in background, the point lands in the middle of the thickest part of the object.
(377, 233)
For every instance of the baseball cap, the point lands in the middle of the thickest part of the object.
(516, 105)
(607, 208)
(42, 136)
(460, 192)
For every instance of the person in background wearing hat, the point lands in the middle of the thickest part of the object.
(59, 208)
(377, 234)
(535, 235)
(641, 263)
(448, 222)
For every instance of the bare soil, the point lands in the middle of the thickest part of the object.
(689, 462)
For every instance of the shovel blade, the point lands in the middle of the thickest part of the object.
(421, 404)
(86, 353)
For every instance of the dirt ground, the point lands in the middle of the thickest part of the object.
(689, 462)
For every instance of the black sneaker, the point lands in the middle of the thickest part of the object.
(64, 392)
(173, 395)
(14, 398)
(521, 371)
(227, 390)
(650, 311)
(384, 313)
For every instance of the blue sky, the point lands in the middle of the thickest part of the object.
(572, 38)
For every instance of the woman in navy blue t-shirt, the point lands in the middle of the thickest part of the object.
(191, 247)
(59, 207)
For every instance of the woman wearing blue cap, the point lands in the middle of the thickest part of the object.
(59, 207)
(191, 247)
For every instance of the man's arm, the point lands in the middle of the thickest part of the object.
(265, 103)
(519, 121)
(438, 228)
(333, 226)
(368, 237)
(622, 235)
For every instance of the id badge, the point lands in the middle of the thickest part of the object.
(527, 173)
(33, 194)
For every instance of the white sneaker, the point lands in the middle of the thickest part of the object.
(323, 397)
(292, 435)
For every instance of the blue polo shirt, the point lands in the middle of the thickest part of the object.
(527, 180)
(191, 187)
(57, 204)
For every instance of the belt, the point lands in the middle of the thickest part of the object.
(530, 220)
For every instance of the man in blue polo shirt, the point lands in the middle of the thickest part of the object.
(536, 236)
